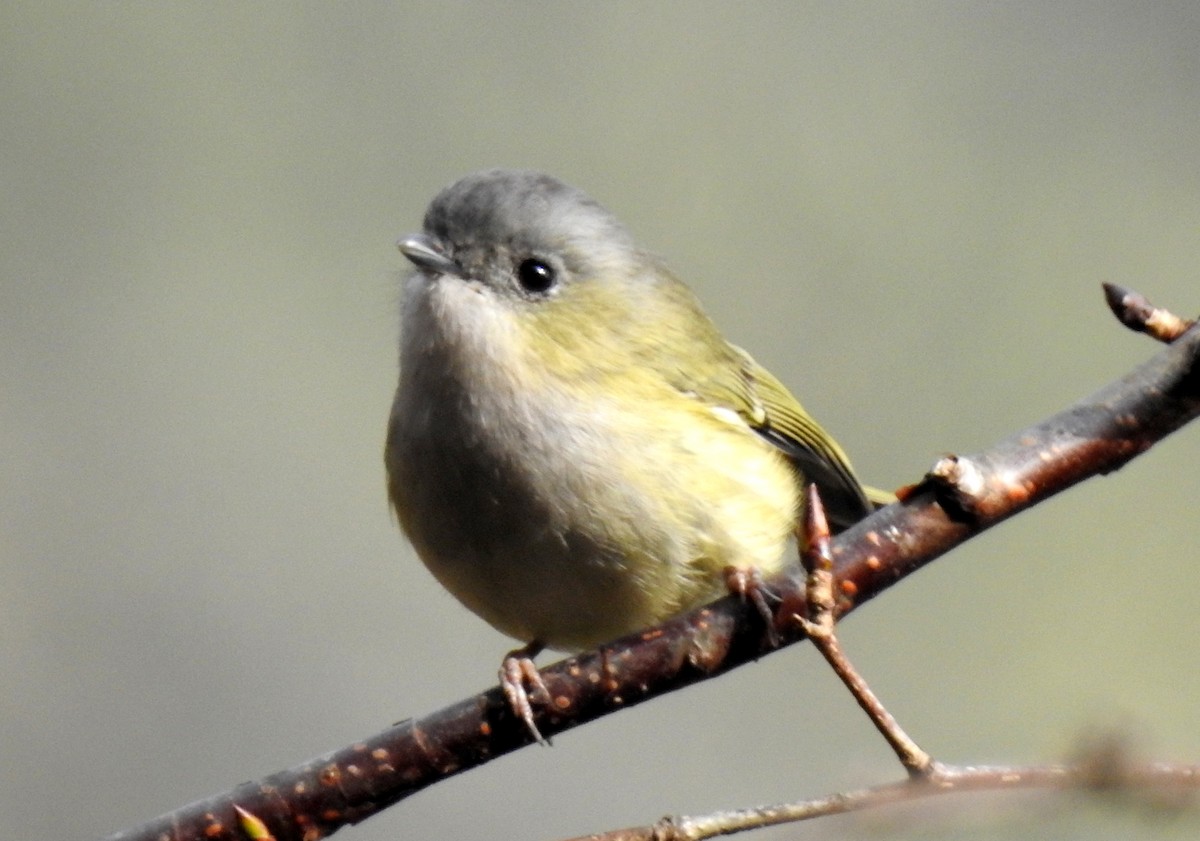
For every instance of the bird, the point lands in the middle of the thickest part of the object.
(574, 450)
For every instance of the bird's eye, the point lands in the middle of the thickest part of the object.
(536, 275)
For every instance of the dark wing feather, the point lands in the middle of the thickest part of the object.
(780, 419)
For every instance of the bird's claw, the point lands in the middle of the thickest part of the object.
(523, 687)
(747, 582)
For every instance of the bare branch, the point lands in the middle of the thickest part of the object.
(962, 497)
(1153, 778)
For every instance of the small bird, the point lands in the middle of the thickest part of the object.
(574, 450)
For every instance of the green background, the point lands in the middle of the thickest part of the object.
(903, 209)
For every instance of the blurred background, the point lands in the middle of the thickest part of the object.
(904, 210)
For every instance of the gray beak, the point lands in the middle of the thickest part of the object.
(425, 253)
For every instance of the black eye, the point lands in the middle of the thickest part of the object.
(536, 275)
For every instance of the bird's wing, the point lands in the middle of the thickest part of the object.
(775, 414)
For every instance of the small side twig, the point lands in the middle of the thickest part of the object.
(820, 626)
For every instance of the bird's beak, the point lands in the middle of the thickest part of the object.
(427, 255)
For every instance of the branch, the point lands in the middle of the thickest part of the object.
(962, 497)
(1102, 771)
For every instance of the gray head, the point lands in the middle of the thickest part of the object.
(519, 232)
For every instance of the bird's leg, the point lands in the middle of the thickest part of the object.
(523, 686)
